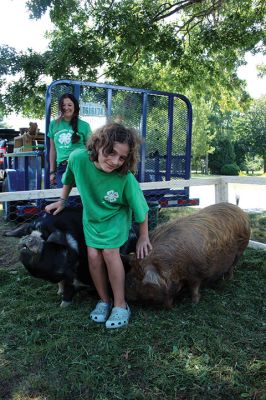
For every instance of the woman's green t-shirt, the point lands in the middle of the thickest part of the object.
(61, 133)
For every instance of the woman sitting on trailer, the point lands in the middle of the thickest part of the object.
(67, 133)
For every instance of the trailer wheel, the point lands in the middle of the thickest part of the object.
(9, 207)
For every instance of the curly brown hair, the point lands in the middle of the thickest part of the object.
(105, 137)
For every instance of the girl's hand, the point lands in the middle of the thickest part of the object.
(143, 246)
(52, 179)
(57, 207)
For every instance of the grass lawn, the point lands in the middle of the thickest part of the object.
(213, 350)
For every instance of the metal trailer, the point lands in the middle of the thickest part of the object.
(23, 171)
(6, 146)
(163, 119)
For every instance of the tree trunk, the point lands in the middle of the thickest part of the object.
(207, 164)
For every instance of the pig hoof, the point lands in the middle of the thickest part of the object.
(65, 304)
(60, 288)
(195, 299)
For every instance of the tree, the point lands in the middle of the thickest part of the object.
(249, 137)
(177, 45)
(2, 123)
(223, 155)
(223, 139)
(255, 125)
(201, 136)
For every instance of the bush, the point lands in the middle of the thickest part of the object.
(230, 169)
(224, 154)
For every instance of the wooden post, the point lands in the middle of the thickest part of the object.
(221, 191)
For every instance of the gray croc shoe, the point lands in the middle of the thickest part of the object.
(119, 317)
(101, 312)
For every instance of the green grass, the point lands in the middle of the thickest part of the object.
(213, 350)
(258, 224)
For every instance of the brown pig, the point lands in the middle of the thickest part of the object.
(188, 252)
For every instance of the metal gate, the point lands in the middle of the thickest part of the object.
(163, 120)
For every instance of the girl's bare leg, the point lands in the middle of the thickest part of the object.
(98, 273)
(116, 275)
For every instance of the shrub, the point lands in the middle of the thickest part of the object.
(224, 154)
(230, 169)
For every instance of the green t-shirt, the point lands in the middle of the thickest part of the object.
(61, 133)
(108, 201)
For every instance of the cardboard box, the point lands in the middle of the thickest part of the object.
(27, 142)
(18, 141)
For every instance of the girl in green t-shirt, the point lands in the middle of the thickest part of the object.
(110, 194)
(67, 133)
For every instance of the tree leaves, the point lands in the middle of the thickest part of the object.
(185, 45)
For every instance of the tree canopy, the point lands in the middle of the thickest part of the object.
(182, 46)
(254, 128)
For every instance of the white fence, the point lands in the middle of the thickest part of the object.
(220, 184)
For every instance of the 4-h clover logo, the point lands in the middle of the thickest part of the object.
(111, 196)
(65, 138)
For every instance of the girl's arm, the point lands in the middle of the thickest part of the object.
(61, 203)
(143, 245)
(52, 160)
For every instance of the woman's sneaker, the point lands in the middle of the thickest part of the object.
(101, 312)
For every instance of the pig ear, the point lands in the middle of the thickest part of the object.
(151, 276)
(57, 237)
